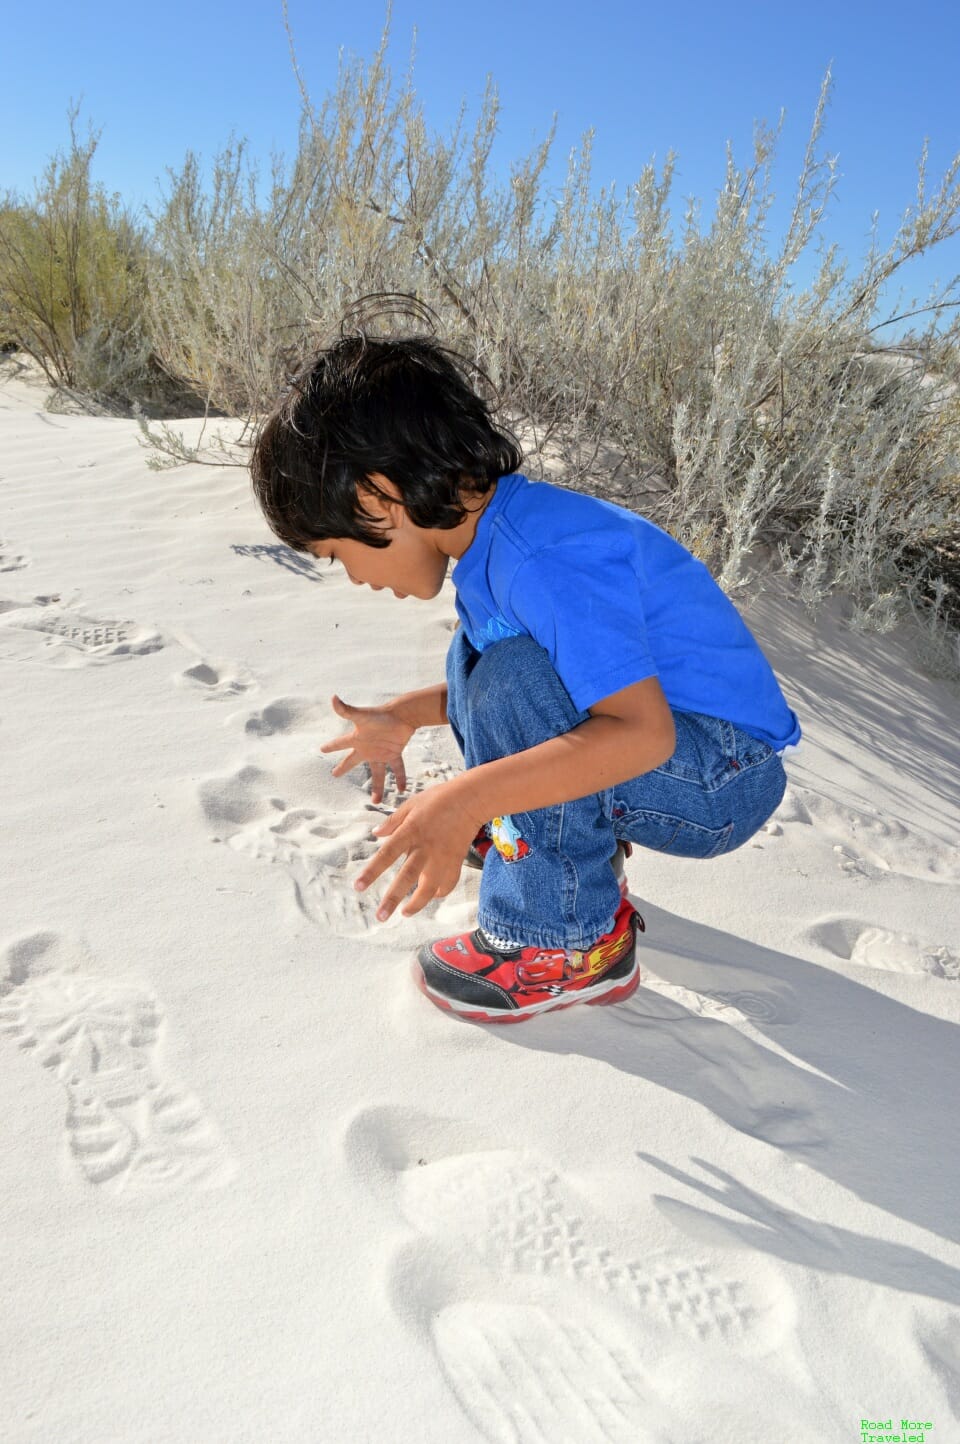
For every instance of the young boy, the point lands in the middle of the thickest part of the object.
(601, 687)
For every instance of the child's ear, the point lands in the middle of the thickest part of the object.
(382, 499)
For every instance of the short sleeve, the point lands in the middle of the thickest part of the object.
(581, 599)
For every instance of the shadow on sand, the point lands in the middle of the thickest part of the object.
(857, 1086)
(283, 556)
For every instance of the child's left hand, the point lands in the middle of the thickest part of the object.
(434, 830)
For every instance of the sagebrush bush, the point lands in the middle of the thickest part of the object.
(666, 361)
(73, 273)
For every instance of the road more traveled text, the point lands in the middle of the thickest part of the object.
(912, 1431)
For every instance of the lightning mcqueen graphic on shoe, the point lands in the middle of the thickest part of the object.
(467, 975)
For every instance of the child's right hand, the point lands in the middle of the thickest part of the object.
(378, 738)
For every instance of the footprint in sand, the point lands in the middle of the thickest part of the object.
(941, 1347)
(881, 948)
(129, 1130)
(214, 682)
(771, 1003)
(542, 1316)
(870, 844)
(319, 829)
(519, 1373)
(319, 848)
(286, 715)
(12, 560)
(8, 605)
(42, 631)
(753, 1006)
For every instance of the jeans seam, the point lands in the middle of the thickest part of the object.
(650, 814)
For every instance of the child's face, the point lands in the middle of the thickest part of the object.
(415, 563)
(407, 568)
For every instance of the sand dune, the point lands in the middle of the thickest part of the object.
(254, 1188)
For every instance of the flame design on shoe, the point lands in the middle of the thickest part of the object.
(467, 975)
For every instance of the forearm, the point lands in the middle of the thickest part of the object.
(598, 754)
(426, 708)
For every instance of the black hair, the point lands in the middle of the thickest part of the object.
(406, 407)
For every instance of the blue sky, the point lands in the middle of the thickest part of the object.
(159, 80)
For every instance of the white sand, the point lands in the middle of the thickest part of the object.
(255, 1188)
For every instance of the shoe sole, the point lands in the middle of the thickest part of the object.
(603, 995)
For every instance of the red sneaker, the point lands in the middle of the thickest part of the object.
(479, 847)
(469, 975)
(482, 843)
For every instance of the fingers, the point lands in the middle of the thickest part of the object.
(352, 760)
(346, 739)
(378, 773)
(378, 770)
(405, 882)
(386, 854)
(419, 888)
(391, 823)
(360, 736)
(415, 881)
(339, 743)
(424, 893)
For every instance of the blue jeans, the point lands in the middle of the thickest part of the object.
(548, 881)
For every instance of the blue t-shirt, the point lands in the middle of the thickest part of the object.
(613, 599)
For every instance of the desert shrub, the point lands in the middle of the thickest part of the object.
(215, 320)
(72, 280)
(667, 361)
(241, 289)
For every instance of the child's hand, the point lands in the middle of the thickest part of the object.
(378, 738)
(434, 830)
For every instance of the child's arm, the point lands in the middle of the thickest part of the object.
(627, 734)
(426, 708)
(380, 734)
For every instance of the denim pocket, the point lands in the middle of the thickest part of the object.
(664, 832)
(711, 752)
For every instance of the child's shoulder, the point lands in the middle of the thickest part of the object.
(541, 514)
(546, 501)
